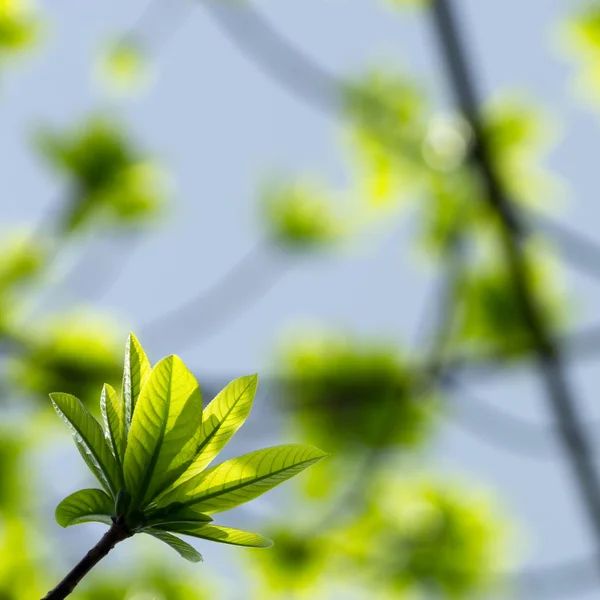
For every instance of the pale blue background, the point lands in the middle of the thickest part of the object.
(219, 123)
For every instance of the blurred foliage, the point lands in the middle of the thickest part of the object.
(388, 113)
(20, 575)
(108, 175)
(22, 261)
(296, 561)
(429, 537)
(519, 135)
(19, 28)
(298, 214)
(11, 449)
(491, 314)
(123, 67)
(77, 354)
(348, 394)
(153, 581)
(582, 34)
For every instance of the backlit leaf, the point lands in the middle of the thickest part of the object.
(89, 438)
(242, 479)
(182, 548)
(220, 420)
(176, 515)
(135, 373)
(111, 407)
(85, 506)
(165, 425)
(225, 535)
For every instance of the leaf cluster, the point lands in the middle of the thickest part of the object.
(152, 456)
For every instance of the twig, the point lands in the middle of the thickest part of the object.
(117, 533)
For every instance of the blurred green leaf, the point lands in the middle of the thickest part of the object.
(388, 125)
(19, 27)
(21, 260)
(123, 67)
(582, 35)
(108, 175)
(491, 313)
(295, 562)
(354, 394)
(299, 214)
(77, 353)
(429, 537)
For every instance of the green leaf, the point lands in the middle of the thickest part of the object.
(85, 506)
(220, 420)
(90, 440)
(242, 479)
(135, 373)
(111, 407)
(182, 548)
(177, 514)
(164, 429)
(225, 535)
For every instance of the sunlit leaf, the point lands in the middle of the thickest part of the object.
(111, 407)
(220, 420)
(85, 506)
(225, 535)
(177, 514)
(135, 374)
(89, 438)
(182, 548)
(164, 429)
(242, 479)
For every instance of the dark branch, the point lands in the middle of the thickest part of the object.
(117, 533)
(514, 233)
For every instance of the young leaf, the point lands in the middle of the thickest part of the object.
(225, 535)
(220, 420)
(183, 548)
(177, 513)
(111, 408)
(166, 419)
(242, 479)
(135, 373)
(85, 506)
(89, 438)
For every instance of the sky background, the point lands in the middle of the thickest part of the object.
(219, 123)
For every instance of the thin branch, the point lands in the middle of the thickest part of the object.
(514, 233)
(117, 533)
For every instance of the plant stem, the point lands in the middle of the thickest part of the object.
(117, 533)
